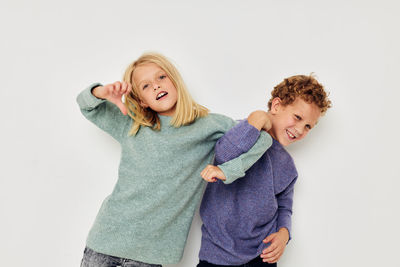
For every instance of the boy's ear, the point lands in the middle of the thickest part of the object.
(276, 105)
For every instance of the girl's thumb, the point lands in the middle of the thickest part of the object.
(122, 107)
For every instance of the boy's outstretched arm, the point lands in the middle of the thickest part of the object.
(237, 141)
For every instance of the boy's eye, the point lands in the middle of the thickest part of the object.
(308, 127)
(297, 117)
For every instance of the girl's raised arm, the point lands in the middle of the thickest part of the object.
(103, 106)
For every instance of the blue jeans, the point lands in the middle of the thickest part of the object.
(92, 258)
(257, 262)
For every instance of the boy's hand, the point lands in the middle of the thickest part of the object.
(211, 172)
(260, 120)
(113, 92)
(278, 242)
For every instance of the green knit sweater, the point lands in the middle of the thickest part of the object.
(148, 215)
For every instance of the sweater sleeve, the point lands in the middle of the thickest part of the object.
(237, 166)
(285, 203)
(235, 142)
(102, 113)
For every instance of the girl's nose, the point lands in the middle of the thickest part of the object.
(157, 87)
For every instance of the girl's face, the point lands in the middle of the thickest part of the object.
(155, 89)
(293, 122)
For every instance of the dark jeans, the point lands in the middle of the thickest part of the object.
(257, 262)
(92, 258)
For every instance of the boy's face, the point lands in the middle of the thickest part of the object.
(293, 122)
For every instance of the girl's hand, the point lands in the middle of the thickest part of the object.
(278, 242)
(211, 172)
(113, 92)
(260, 120)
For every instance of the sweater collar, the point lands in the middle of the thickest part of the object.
(165, 120)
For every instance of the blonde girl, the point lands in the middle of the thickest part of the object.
(166, 139)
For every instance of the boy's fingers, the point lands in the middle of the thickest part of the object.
(272, 247)
(269, 261)
(272, 259)
(269, 238)
(271, 254)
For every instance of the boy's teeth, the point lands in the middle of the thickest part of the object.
(290, 134)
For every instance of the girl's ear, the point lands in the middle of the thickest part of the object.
(144, 105)
(276, 105)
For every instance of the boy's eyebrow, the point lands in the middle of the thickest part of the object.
(312, 126)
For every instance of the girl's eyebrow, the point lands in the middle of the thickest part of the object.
(140, 84)
(156, 74)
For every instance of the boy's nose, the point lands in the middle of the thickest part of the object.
(299, 131)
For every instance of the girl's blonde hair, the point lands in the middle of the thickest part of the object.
(187, 110)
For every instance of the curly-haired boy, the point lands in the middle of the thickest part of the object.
(247, 222)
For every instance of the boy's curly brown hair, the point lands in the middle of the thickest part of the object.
(305, 87)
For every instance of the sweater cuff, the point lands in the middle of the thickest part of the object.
(285, 222)
(87, 100)
(233, 171)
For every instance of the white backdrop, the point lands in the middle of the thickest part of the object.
(56, 167)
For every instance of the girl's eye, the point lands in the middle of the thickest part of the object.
(145, 86)
(162, 77)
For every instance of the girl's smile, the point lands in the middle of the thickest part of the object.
(161, 95)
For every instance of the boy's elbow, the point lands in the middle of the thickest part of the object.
(224, 153)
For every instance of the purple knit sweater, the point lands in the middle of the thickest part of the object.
(238, 216)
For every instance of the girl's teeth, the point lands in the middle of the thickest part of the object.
(161, 95)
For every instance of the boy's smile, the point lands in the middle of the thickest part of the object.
(292, 122)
